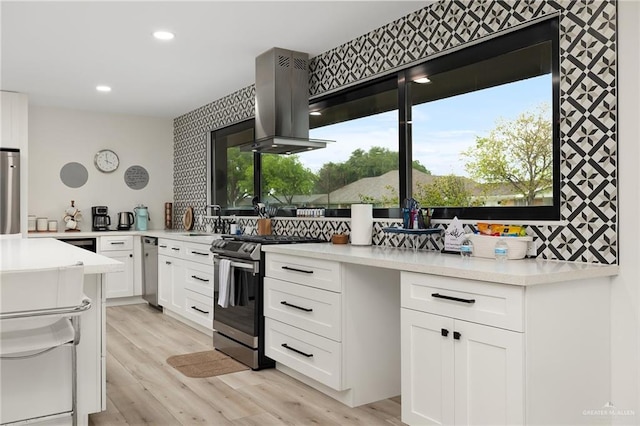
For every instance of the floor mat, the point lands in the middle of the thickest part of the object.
(205, 364)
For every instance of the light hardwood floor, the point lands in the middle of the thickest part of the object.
(143, 389)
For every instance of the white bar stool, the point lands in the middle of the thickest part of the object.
(39, 312)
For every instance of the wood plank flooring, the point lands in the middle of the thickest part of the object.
(143, 389)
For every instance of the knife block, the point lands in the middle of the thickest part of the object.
(264, 226)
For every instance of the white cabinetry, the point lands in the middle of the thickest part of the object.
(170, 275)
(482, 353)
(185, 281)
(14, 108)
(198, 284)
(331, 325)
(119, 284)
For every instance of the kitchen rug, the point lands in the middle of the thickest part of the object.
(205, 364)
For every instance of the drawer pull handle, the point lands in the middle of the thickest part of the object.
(444, 332)
(284, 345)
(161, 246)
(199, 310)
(114, 243)
(456, 335)
(289, 268)
(167, 262)
(199, 279)
(455, 299)
(175, 248)
(284, 302)
(200, 253)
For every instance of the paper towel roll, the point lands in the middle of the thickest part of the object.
(361, 224)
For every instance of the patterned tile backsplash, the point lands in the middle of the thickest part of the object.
(587, 231)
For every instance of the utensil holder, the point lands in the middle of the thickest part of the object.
(264, 226)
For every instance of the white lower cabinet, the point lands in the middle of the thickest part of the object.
(334, 326)
(185, 281)
(458, 372)
(119, 284)
(198, 308)
(494, 354)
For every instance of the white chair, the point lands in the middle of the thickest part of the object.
(39, 312)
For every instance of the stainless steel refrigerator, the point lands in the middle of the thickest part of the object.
(9, 191)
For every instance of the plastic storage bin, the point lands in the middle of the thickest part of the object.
(483, 245)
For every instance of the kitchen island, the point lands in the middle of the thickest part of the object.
(24, 381)
(464, 341)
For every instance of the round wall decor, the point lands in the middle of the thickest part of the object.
(136, 177)
(106, 161)
(74, 175)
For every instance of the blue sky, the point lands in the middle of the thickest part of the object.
(441, 129)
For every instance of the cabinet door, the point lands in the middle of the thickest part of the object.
(120, 284)
(489, 375)
(178, 280)
(165, 278)
(427, 368)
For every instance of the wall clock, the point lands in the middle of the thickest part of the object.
(106, 161)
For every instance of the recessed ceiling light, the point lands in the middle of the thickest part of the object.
(315, 113)
(422, 80)
(164, 35)
(103, 88)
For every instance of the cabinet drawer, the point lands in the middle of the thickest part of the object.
(200, 253)
(199, 309)
(309, 354)
(199, 278)
(111, 243)
(308, 308)
(497, 305)
(169, 247)
(318, 273)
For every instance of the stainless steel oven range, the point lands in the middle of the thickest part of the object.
(239, 324)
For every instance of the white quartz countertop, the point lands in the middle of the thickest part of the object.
(22, 254)
(516, 272)
(181, 235)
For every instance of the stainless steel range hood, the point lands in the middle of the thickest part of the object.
(282, 104)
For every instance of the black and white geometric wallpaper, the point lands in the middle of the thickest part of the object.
(587, 231)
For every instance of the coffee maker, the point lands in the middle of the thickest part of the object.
(100, 219)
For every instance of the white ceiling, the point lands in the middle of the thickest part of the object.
(58, 52)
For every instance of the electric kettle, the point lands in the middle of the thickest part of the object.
(125, 221)
(142, 217)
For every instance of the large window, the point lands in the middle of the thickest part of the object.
(477, 139)
(231, 180)
(483, 121)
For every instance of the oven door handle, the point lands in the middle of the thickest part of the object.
(235, 264)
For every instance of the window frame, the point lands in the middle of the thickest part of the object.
(517, 38)
(543, 31)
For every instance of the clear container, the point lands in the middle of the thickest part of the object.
(466, 248)
(31, 223)
(501, 250)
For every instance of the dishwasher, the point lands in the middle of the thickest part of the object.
(150, 271)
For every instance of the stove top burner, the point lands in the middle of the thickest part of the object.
(276, 239)
(248, 246)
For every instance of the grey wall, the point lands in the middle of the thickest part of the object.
(588, 84)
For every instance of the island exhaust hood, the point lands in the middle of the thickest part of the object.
(282, 104)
